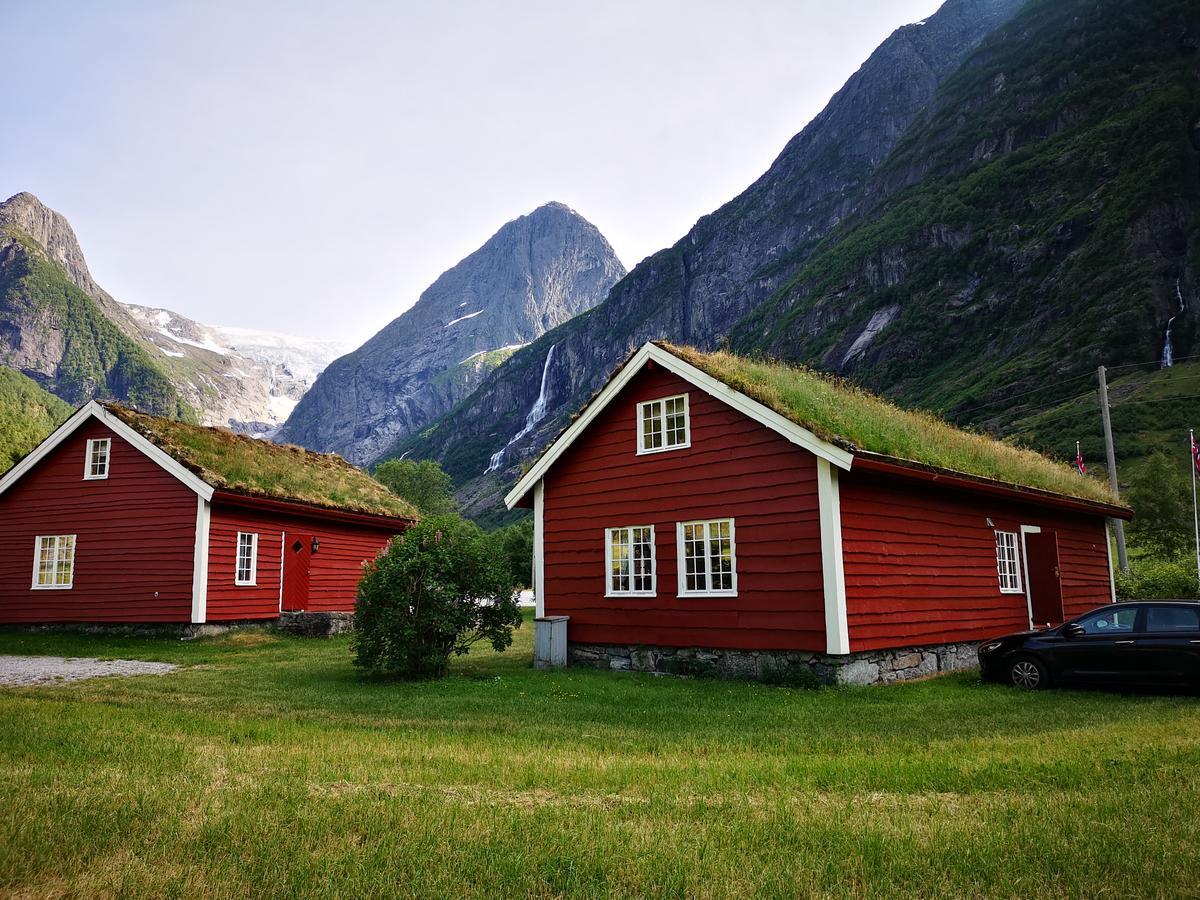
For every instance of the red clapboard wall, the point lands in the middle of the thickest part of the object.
(734, 468)
(920, 561)
(135, 545)
(334, 571)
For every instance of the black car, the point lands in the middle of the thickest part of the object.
(1144, 644)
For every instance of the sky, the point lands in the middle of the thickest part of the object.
(311, 167)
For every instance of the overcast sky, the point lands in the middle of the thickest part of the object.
(312, 167)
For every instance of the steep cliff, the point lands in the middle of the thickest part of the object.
(535, 273)
(1040, 218)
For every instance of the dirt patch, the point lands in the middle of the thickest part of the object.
(28, 670)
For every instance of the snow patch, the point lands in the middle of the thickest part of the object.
(463, 318)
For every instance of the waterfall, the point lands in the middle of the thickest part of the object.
(1168, 351)
(536, 414)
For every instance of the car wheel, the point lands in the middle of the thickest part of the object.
(1027, 673)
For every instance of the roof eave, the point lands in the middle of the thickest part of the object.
(878, 462)
(306, 508)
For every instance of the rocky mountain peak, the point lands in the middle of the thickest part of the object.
(53, 232)
(536, 272)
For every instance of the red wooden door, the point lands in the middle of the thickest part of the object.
(1045, 584)
(297, 554)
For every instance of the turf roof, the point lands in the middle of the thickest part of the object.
(857, 420)
(247, 465)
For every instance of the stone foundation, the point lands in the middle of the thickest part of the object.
(304, 624)
(795, 667)
(315, 624)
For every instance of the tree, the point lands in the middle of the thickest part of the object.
(423, 484)
(1161, 497)
(517, 540)
(438, 589)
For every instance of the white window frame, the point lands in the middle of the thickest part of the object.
(237, 560)
(680, 553)
(93, 445)
(642, 450)
(608, 561)
(1009, 540)
(37, 561)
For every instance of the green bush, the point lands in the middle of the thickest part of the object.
(423, 484)
(1159, 579)
(439, 588)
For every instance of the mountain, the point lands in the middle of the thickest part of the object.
(58, 326)
(1040, 218)
(29, 414)
(731, 261)
(536, 272)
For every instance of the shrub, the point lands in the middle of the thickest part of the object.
(1159, 579)
(423, 484)
(517, 540)
(438, 589)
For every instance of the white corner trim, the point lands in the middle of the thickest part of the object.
(539, 548)
(93, 410)
(200, 563)
(794, 433)
(1112, 577)
(833, 568)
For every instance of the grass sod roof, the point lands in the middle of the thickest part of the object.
(247, 465)
(857, 420)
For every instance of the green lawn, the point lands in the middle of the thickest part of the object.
(266, 767)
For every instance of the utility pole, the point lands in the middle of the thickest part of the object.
(1118, 525)
(1195, 514)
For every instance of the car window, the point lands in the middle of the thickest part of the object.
(1109, 621)
(1172, 618)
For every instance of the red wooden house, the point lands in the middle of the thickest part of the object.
(705, 513)
(120, 517)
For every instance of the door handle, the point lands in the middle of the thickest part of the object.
(1124, 643)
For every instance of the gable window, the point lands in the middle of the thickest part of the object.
(663, 424)
(629, 561)
(54, 562)
(1007, 567)
(95, 463)
(247, 559)
(707, 559)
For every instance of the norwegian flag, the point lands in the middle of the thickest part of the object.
(1083, 469)
(1195, 454)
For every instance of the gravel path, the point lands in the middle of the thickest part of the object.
(25, 670)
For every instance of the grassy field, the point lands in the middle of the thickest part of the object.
(266, 767)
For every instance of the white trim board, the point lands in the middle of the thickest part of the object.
(833, 567)
(794, 433)
(1027, 529)
(200, 563)
(539, 549)
(93, 410)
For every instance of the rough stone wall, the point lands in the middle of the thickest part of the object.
(779, 666)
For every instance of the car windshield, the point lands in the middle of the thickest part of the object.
(1108, 621)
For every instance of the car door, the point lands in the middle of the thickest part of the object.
(1103, 652)
(1168, 650)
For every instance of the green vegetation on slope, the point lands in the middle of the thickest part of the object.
(98, 359)
(1053, 210)
(27, 415)
(266, 767)
(840, 413)
(252, 466)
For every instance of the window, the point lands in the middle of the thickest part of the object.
(1109, 621)
(247, 559)
(663, 425)
(630, 561)
(95, 464)
(707, 563)
(54, 562)
(1007, 566)
(1173, 618)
